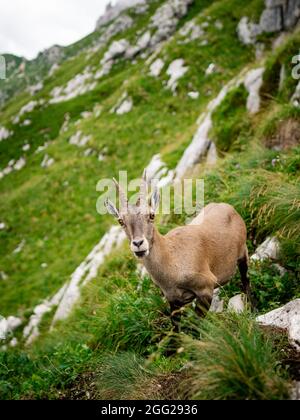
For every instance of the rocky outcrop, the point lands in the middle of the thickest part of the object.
(112, 12)
(278, 15)
(52, 55)
(166, 18)
(29, 107)
(253, 82)
(157, 170)
(286, 318)
(201, 142)
(80, 84)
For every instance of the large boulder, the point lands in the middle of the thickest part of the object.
(285, 318)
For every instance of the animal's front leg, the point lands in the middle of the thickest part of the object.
(176, 315)
(203, 303)
(202, 286)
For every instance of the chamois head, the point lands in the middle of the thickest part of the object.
(137, 220)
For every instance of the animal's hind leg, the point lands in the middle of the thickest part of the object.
(243, 268)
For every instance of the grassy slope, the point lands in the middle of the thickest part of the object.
(158, 122)
(118, 326)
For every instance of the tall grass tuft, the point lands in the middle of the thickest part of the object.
(272, 202)
(124, 376)
(133, 320)
(233, 360)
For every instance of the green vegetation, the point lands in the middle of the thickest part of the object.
(230, 121)
(233, 360)
(118, 343)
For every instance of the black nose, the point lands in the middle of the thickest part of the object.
(138, 243)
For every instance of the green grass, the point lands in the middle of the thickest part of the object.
(124, 376)
(231, 125)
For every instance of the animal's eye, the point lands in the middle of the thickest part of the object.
(152, 216)
(121, 222)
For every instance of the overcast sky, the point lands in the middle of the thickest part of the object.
(29, 26)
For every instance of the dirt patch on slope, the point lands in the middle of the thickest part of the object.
(161, 387)
(286, 137)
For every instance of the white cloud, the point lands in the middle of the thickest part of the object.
(29, 26)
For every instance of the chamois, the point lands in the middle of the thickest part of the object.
(190, 261)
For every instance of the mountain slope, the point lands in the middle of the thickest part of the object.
(107, 108)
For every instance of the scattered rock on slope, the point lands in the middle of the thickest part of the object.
(191, 31)
(8, 325)
(80, 140)
(4, 133)
(253, 82)
(176, 70)
(47, 161)
(156, 67)
(123, 106)
(236, 304)
(269, 249)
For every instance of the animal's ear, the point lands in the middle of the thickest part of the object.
(111, 209)
(155, 199)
